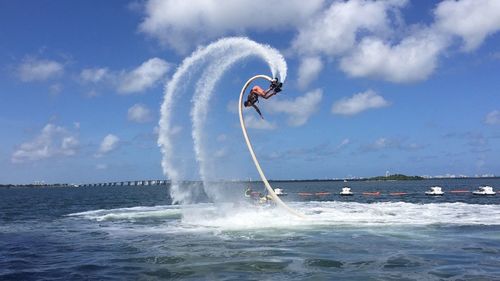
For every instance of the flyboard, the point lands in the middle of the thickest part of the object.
(270, 190)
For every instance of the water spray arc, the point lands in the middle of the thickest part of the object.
(212, 62)
(270, 190)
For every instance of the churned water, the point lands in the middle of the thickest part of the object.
(134, 233)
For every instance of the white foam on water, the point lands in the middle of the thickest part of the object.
(219, 56)
(132, 213)
(401, 213)
(228, 217)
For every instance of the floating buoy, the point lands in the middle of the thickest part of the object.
(323, 193)
(377, 193)
(305, 194)
(459, 191)
(398, 193)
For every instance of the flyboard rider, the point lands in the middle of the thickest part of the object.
(252, 98)
(256, 92)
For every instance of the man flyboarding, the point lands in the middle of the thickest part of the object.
(256, 92)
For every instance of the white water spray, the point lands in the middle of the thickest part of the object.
(219, 56)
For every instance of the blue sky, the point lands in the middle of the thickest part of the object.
(373, 86)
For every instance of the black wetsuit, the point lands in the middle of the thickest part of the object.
(252, 99)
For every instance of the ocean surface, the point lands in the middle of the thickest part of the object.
(135, 233)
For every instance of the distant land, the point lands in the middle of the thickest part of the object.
(396, 177)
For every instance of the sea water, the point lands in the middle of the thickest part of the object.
(135, 233)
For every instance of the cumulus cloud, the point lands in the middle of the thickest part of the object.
(335, 30)
(33, 69)
(94, 75)
(413, 59)
(139, 113)
(298, 110)
(53, 141)
(183, 24)
(108, 144)
(361, 33)
(220, 153)
(101, 166)
(55, 89)
(366, 36)
(136, 80)
(493, 118)
(358, 103)
(309, 69)
(143, 77)
(380, 144)
(472, 20)
(253, 122)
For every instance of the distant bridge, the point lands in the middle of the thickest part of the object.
(126, 183)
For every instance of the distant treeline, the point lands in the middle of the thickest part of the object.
(397, 177)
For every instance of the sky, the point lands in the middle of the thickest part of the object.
(393, 86)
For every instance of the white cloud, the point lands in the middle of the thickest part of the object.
(137, 80)
(253, 122)
(139, 113)
(342, 144)
(472, 20)
(94, 75)
(335, 30)
(298, 110)
(52, 141)
(309, 69)
(221, 152)
(386, 143)
(143, 77)
(493, 118)
(366, 36)
(33, 69)
(413, 59)
(55, 89)
(108, 144)
(381, 143)
(183, 24)
(101, 166)
(358, 103)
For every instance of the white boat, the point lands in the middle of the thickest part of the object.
(280, 192)
(346, 191)
(434, 190)
(484, 190)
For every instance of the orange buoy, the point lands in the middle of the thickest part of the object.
(372, 193)
(305, 194)
(398, 193)
(323, 193)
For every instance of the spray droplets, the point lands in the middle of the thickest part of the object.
(209, 63)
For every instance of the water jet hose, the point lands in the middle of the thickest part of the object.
(270, 190)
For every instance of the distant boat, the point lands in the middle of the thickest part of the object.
(484, 190)
(434, 190)
(346, 191)
(280, 192)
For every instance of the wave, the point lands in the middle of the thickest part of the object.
(131, 214)
(229, 217)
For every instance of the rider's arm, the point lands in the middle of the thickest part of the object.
(258, 111)
(269, 94)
